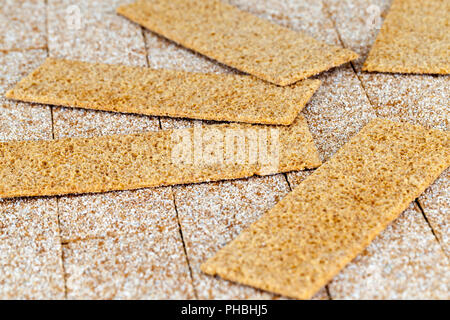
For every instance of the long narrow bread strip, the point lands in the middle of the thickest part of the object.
(237, 38)
(309, 236)
(124, 162)
(415, 38)
(159, 92)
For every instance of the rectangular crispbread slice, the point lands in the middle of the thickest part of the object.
(238, 39)
(117, 88)
(125, 162)
(415, 38)
(309, 236)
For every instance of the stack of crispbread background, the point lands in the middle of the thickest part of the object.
(120, 244)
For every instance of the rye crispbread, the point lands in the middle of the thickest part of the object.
(160, 92)
(238, 39)
(125, 162)
(309, 236)
(415, 38)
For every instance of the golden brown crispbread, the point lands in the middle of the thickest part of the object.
(171, 93)
(301, 243)
(415, 38)
(238, 39)
(124, 162)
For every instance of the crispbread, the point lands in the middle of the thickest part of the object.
(300, 244)
(208, 153)
(214, 213)
(159, 92)
(238, 39)
(415, 38)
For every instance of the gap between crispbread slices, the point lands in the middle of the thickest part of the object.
(309, 236)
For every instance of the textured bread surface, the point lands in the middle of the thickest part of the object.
(118, 88)
(415, 38)
(124, 162)
(212, 214)
(20, 29)
(147, 265)
(309, 236)
(402, 263)
(238, 39)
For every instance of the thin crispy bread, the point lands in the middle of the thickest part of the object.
(309, 236)
(171, 93)
(415, 38)
(238, 39)
(124, 162)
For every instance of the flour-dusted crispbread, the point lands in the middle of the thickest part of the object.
(309, 236)
(238, 39)
(159, 92)
(415, 38)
